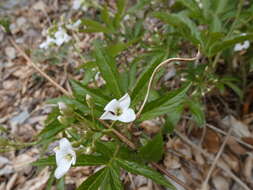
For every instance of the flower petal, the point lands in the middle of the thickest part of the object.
(62, 168)
(125, 101)
(112, 105)
(65, 145)
(108, 116)
(128, 115)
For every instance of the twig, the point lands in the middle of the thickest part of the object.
(216, 159)
(118, 134)
(168, 61)
(225, 133)
(29, 62)
(178, 181)
(210, 157)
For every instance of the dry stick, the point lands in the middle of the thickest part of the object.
(216, 159)
(178, 181)
(29, 62)
(209, 156)
(225, 133)
(168, 61)
(118, 134)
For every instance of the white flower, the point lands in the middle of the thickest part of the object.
(74, 26)
(47, 43)
(61, 36)
(119, 110)
(199, 4)
(65, 157)
(242, 46)
(62, 107)
(79, 3)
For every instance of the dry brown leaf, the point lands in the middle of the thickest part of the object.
(3, 161)
(205, 186)
(220, 183)
(2, 186)
(12, 181)
(6, 170)
(198, 157)
(23, 161)
(235, 147)
(248, 140)
(211, 141)
(37, 183)
(181, 147)
(248, 168)
(232, 161)
(171, 162)
(239, 128)
(150, 127)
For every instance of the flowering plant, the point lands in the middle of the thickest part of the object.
(98, 123)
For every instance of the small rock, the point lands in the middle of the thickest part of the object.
(6, 170)
(20, 40)
(21, 21)
(20, 118)
(3, 161)
(14, 28)
(39, 6)
(10, 52)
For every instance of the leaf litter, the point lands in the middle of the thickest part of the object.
(22, 110)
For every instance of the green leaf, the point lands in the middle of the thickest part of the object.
(51, 129)
(50, 181)
(140, 87)
(94, 181)
(115, 177)
(60, 184)
(196, 111)
(121, 6)
(102, 147)
(108, 69)
(172, 119)
(81, 91)
(153, 150)
(220, 46)
(115, 48)
(106, 18)
(192, 5)
(94, 26)
(90, 160)
(221, 6)
(138, 6)
(71, 102)
(145, 171)
(182, 23)
(49, 161)
(5, 23)
(235, 88)
(165, 104)
(113, 181)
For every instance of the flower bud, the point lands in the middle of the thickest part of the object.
(62, 107)
(89, 100)
(62, 119)
(88, 150)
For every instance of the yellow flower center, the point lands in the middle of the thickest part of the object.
(118, 111)
(68, 157)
